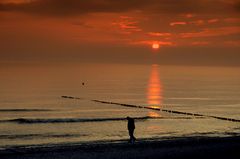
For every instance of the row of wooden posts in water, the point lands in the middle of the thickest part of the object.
(158, 109)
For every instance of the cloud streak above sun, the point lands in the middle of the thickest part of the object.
(53, 26)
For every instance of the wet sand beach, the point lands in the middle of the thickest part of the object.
(182, 147)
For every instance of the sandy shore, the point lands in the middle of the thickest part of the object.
(188, 147)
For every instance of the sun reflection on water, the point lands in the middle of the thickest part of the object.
(153, 114)
(154, 91)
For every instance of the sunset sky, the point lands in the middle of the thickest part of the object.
(191, 32)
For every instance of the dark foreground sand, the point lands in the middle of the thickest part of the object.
(189, 147)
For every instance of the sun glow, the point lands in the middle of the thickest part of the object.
(155, 46)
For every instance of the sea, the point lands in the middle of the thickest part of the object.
(54, 104)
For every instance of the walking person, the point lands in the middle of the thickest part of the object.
(131, 127)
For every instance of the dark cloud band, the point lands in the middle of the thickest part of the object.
(76, 7)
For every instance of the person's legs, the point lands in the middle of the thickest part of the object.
(132, 138)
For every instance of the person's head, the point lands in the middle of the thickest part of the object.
(128, 117)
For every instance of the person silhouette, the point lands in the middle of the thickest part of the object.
(131, 127)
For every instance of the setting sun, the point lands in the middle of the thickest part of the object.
(155, 46)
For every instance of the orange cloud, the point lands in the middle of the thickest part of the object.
(188, 15)
(127, 24)
(150, 42)
(232, 20)
(235, 43)
(159, 34)
(213, 20)
(222, 31)
(125, 17)
(16, 1)
(200, 43)
(198, 22)
(177, 23)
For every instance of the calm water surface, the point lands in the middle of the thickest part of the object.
(33, 112)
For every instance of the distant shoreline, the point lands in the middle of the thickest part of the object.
(181, 147)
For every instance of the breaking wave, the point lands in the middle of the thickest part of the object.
(75, 120)
(24, 110)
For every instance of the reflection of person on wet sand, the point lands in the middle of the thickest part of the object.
(131, 127)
